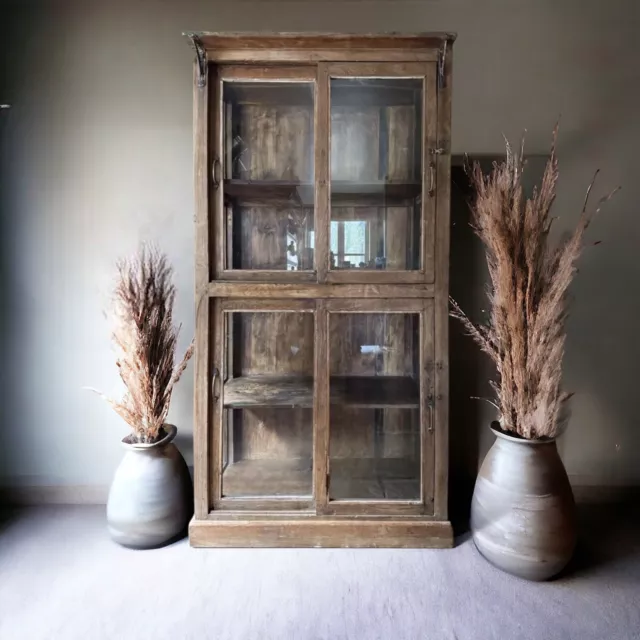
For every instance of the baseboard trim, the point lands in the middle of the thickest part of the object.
(97, 494)
(54, 494)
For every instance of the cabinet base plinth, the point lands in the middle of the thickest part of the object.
(321, 532)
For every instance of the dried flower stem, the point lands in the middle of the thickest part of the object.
(525, 332)
(146, 339)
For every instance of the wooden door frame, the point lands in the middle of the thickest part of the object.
(423, 506)
(249, 73)
(219, 503)
(428, 72)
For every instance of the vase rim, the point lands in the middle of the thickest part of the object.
(519, 440)
(170, 433)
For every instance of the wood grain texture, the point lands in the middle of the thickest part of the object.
(355, 134)
(395, 391)
(427, 403)
(373, 276)
(202, 265)
(322, 215)
(252, 477)
(441, 304)
(288, 291)
(298, 56)
(243, 40)
(218, 364)
(257, 73)
(365, 69)
(317, 532)
(429, 142)
(218, 117)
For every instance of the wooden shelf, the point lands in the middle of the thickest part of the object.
(288, 391)
(270, 191)
(374, 192)
(343, 193)
(259, 478)
(268, 391)
(350, 479)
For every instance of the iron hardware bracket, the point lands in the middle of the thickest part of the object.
(201, 57)
(442, 60)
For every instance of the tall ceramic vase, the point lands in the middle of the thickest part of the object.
(150, 500)
(522, 512)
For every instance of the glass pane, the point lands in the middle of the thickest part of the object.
(268, 405)
(376, 173)
(374, 445)
(268, 167)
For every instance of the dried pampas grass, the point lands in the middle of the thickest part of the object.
(145, 339)
(529, 279)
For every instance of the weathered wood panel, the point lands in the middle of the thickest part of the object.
(355, 135)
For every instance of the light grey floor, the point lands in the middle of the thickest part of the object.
(61, 577)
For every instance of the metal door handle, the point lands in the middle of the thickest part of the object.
(214, 375)
(215, 171)
(432, 178)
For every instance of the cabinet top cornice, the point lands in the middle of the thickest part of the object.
(213, 40)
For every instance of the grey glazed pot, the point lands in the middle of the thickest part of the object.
(150, 500)
(522, 512)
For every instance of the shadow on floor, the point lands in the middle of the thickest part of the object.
(608, 533)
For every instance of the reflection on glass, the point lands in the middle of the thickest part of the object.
(268, 405)
(374, 446)
(376, 173)
(268, 171)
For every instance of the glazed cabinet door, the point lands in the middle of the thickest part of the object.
(263, 436)
(380, 437)
(263, 176)
(381, 186)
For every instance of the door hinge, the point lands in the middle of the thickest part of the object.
(201, 57)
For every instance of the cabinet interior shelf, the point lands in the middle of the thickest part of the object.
(343, 193)
(377, 479)
(373, 392)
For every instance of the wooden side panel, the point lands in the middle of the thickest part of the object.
(355, 135)
(263, 238)
(273, 433)
(427, 395)
(397, 238)
(322, 215)
(278, 142)
(401, 133)
(431, 192)
(321, 407)
(202, 406)
(441, 310)
(279, 343)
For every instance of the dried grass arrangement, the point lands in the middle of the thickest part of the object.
(529, 279)
(145, 339)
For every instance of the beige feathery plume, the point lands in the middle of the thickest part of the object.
(529, 279)
(145, 339)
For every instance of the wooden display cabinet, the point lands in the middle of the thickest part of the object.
(322, 174)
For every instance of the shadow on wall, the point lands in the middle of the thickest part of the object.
(468, 366)
(470, 369)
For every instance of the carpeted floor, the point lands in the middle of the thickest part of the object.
(62, 578)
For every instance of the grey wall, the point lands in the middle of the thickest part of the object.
(96, 154)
